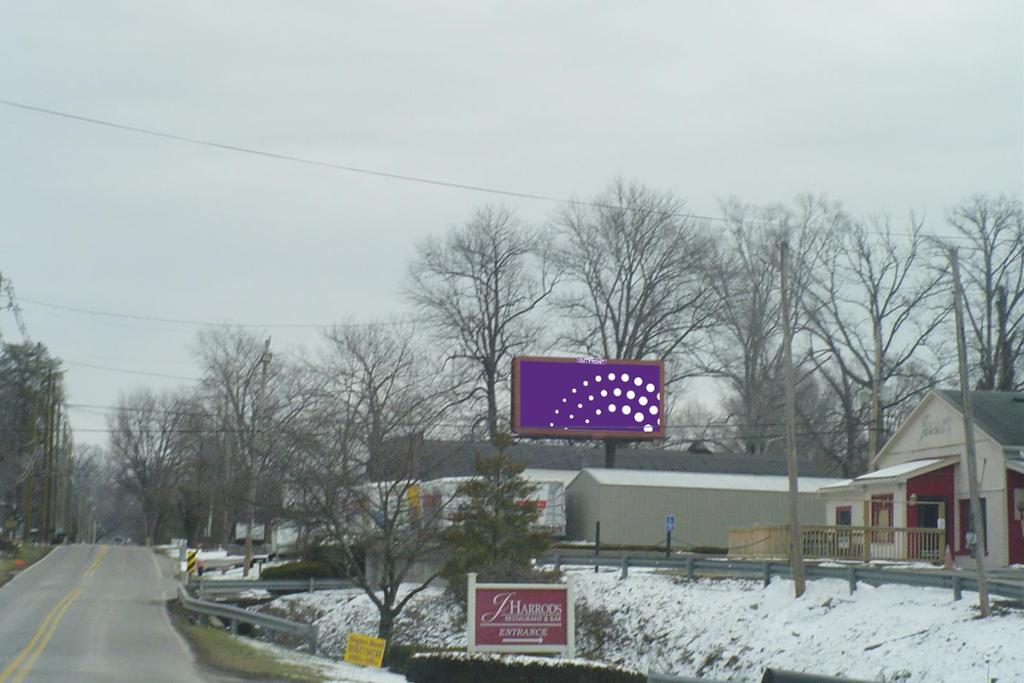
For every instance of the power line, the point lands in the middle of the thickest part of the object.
(129, 372)
(364, 171)
(450, 425)
(204, 323)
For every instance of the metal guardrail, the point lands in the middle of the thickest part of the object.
(212, 586)
(234, 616)
(654, 677)
(766, 570)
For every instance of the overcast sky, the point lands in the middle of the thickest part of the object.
(885, 106)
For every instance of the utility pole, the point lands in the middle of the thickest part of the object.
(253, 454)
(972, 460)
(796, 553)
(876, 398)
(31, 466)
(46, 527)
(226, 455)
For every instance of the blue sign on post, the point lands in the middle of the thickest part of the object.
(670, 522)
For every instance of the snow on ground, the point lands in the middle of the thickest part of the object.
(734, 629)
(219, 565)
(430, 619)
(332, 671)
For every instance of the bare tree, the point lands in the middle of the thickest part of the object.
(479, 289)
(143, 433)
(255, 400)
(745, 346)
(637, 268)
(355, 482)
(993, 272)
(96, 507)
(875, 314)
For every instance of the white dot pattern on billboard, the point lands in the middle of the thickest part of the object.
(616, 398)
(642, 403)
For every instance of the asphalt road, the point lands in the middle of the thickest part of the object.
(93, 613)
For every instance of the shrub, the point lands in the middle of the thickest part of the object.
(9, 546)
(450, 667)
(595, 629)
(501, 572)
(336, 558)
(305, 569)
(397, 656)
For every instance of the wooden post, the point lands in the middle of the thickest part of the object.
(46, 528)
(257, 420)
(471, 612)
(795, 538)
(876, 398)
(867, 527)
(972, 462)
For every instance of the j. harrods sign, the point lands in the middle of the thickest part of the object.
(521, 617)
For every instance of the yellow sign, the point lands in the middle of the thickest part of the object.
(413, 496)
(364, 650)
(191, 561)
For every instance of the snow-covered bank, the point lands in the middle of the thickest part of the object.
(733, 629)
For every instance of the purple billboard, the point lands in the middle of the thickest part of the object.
(587, 398)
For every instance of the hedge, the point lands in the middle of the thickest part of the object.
(305, 569)
(453, 667)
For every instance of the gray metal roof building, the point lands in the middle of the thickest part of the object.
(632, 505)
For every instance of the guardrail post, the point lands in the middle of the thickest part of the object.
(558, 562)
(851, 577)
(766, 573)
(625, 567)
(689, 568)
(312, 584)
(957, 588)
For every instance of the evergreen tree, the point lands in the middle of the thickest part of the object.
(491, 532)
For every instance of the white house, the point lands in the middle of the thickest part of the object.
(920, 476)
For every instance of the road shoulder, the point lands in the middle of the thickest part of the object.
(219, 652)
(31, 555)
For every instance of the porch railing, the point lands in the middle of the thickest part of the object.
(842, 543)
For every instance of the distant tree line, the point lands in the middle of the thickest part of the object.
(630, 273)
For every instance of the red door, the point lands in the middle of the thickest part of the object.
(1015, 513)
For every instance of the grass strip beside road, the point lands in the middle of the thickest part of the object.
(29, 554)
(223, 652)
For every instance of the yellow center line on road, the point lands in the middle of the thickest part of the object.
(50, 619)
(20, 676)
(96, 563)
(27, 658)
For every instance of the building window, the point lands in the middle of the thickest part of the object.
(844, 515)
(881, 516)
(881, 510)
